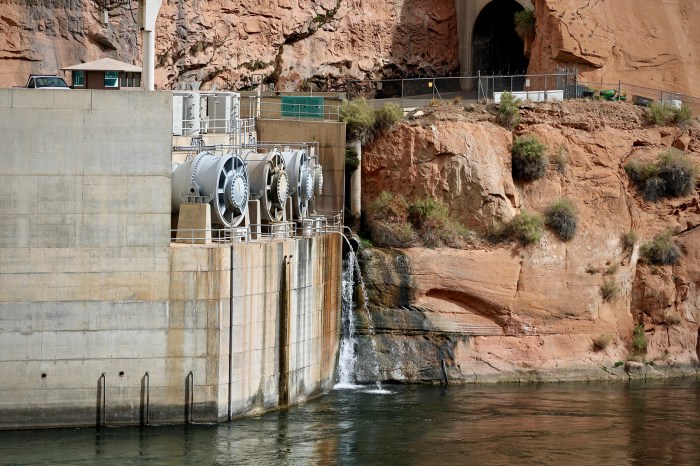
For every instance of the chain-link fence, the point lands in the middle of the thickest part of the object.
(410, 92)
(636, 94)
(561, 85)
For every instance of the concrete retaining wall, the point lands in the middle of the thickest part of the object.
(93, 296)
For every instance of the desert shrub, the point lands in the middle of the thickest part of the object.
(673, 175)
(654, 189)
(388, 207)
(592, 269)
(609, 289)
(678, 173)
(524, 23)
(457, 100)
(387, 117)
(629, 239)
(659, 113)
(358, 117)
(639, 339)
(611, 269)
(351, 159)
(529, 159)
(602, 341)
(561, 217)
(508, 113)
(639, 172)
(388, 226)
(434, 226)
(496, 232)
(525, 228)
(682, 116)
(661, 250)
(672, 317)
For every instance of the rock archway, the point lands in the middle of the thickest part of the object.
(487, 38)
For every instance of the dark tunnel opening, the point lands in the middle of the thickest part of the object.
(497, 48)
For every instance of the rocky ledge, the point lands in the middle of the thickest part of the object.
(508, 312)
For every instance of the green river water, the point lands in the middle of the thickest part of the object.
(563, 424)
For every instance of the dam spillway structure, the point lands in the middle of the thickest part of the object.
(269, 183)
(301, 181)
(219, 180)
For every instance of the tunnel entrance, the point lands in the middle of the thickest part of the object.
(497, 48)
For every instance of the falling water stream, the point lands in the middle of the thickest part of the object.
(347, 356)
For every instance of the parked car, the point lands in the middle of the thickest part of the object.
(36, 81)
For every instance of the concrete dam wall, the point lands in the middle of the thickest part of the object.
(104, 321)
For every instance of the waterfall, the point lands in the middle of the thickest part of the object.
(347, 357)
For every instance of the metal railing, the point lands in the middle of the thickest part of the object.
(314, 225)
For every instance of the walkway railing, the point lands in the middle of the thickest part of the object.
(315, 225)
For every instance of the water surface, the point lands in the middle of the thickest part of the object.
(616, 424)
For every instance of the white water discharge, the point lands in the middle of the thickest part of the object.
(347, 357)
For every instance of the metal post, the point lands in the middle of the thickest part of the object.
(619, 89)
(401, 92)
(511, 84)
(545, 87)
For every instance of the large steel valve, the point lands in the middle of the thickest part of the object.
(269, 183)
(301, 182)
(220, 180)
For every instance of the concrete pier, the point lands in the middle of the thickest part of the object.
(104, 321)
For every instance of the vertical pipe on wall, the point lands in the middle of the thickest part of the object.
(149, 51)
(356, 181)
(284, 303)
(230, 333)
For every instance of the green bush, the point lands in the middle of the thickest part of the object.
(639, 340)
(609, 290)
(663, 114)
(659, 113)
(529, 159)
(508, 113)
(431, 220)
(524, 23)
(673, 175)
(386, 216)
(561, 217)
(639, 172)
(678, 173)
(525, 228)
(351, 160)
(628, 240)
(387, 117)
(359, 118)
(388, 207)
(661, 250)
(682, 116)
(394, 222)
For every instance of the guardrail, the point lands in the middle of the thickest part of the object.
(315, 225)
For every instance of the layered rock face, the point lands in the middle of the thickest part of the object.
(643, 42)
(231, 44)
(508, 312)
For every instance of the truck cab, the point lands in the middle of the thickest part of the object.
(37, 81)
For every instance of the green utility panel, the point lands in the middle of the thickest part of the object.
(302, 106)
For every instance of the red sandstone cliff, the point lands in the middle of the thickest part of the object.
(513, 312)
(226, 43)
(643, 42)
(292, 42)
